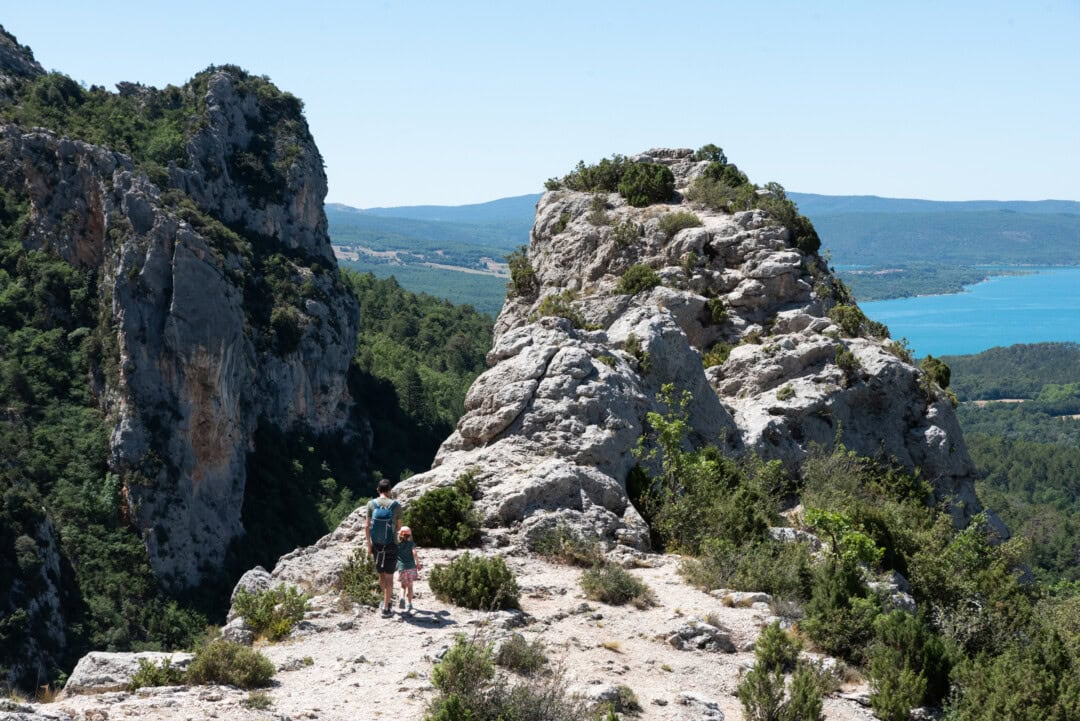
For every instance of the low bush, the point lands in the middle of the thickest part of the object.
(628, 700)
(517, 654)
(470, 690)
(646, 183)
(359, 580)
(615, 585)
(846, 361)
(636, 279)
(840, 614)
(776, 648)
(476, 582)
(523, 280)
(717, 355)
(672, 223)
(908, 666)
(761, 693)
(564, 545)
(626, 232)
(561, 305)
(716, 311)
(853, 322)
(230, 664)
(783, 570)
(271, 613)
(598, 210)
(152, 674)
(443, 517)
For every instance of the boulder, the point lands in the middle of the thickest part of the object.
(102, 672)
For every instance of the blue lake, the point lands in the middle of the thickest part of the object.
(1004, 310)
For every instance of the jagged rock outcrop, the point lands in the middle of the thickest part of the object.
(220, 302)
(550, 428)
(16, 62)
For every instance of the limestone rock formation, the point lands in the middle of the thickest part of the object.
(16, 61)
(549, 430)
(220, 302)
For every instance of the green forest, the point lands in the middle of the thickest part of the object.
(913, 279)
(1028, 453)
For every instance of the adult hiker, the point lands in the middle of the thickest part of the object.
(381, 531)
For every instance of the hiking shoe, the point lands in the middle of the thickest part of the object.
(408, 607)
(387, 612)
(401, 603)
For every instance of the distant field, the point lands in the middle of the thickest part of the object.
(485, 293)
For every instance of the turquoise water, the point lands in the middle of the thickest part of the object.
(1044, 306)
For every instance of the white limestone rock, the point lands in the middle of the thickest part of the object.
(101, 672)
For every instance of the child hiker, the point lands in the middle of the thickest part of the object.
(408, 566)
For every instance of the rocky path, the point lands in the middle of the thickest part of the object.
(350, 663)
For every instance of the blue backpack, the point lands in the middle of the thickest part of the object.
(382, 522)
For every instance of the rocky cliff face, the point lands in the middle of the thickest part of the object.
(220, 301)
(550, 428)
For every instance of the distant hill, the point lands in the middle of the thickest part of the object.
(936, 243)
(504, 209)
(811, 204)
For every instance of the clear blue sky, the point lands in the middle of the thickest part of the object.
(419, 101)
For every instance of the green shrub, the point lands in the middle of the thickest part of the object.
(517, 654)
(761, 691)
(476, 582)
(258, 701)
(776, 648)
(609, 583)
(443, 517)
(636, 279)
(937, 370)
(804, 696)
(359, 580)
(786, 392)
(464, 669)
(628, 700)
(646, 183)
(564, 545)
(908, 666)
(783, 570)
(717, 355)
(523, 280)
(602, 177)
(561, 305)
(711, 152)
(854, 323)
(470, 690)
(840, 615)
(561, 223)
(626, 232)
(672, 223)
(152, 674)
(230, 664)
(598, 210)
(633, 347)
(271, 613)
(846, 361)
(1034, 679)
(716, 311)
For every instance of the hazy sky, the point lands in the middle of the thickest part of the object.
(418, 101)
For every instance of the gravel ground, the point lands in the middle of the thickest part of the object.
(346, 662)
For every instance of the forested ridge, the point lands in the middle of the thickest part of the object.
(1028, 453)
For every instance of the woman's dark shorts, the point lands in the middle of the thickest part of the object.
(385, 557)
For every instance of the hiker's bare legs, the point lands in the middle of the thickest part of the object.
(386, 582)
